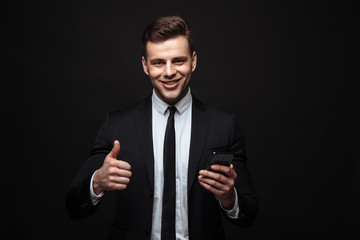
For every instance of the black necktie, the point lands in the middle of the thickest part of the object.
(168, 207)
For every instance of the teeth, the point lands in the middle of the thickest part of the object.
(170, 83)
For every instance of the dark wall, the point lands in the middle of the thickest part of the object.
(282, 68)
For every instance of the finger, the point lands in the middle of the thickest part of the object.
(210, 188)
(120, 164)
(115, 150)
(114, 171)
(215, 184)
(116, 186)
(119, 180)
(213, 175)
(228, 171)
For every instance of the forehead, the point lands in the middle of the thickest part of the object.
(172, 47)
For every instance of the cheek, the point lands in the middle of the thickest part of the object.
(185, 71)
(154, 73)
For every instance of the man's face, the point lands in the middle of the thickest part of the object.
(169, 66)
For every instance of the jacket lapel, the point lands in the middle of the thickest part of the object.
(143, 126)
(199, 131)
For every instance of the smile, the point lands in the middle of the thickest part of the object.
(170, 84)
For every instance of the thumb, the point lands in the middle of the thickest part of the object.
(115, 150)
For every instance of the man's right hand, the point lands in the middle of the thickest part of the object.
(114, 174)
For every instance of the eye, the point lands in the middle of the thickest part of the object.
(179, 61)
(157, 62)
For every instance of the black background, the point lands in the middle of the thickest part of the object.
(281, 67)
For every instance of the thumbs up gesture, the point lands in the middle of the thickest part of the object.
(114, 174)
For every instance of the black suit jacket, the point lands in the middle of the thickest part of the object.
(212, 130)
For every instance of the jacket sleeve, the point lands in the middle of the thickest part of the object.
(247, 200)
(78, 200)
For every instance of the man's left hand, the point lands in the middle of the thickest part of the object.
(221, 185)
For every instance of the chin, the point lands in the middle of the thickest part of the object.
(172, 101)
(171, 98)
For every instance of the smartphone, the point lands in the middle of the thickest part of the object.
(222, 158)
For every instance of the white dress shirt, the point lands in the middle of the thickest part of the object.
(182, 120)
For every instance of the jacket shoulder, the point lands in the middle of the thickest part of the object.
(127, 111)
(211, 110)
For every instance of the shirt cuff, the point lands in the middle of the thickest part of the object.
(94, 198)
(234, 212)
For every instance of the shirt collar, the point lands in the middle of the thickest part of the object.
(181, 105)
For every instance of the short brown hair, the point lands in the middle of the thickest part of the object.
(164, 28)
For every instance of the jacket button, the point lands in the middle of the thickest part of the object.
(151, 193)
(147, 233)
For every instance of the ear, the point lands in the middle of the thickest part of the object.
(144, 65)
(193, 61)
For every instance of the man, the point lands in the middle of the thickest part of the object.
(154, 154)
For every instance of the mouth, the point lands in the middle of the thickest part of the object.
(170, 84)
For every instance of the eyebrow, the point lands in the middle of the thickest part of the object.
(180, 58)
(174, 59)
(156, 60)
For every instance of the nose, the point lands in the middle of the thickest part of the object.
(169, 71)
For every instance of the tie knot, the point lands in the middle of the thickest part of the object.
(172, 110)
